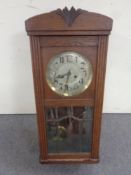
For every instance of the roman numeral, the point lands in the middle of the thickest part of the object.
(56, 81)
(61, 59)
(69, 59)
(81, 81)
(83, 62)
(66, 87)
(85, 72)
(76, 59)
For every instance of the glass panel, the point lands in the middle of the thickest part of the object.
(69, 129)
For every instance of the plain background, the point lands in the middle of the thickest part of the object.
(16, 84)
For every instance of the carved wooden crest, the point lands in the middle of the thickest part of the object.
(69, 16)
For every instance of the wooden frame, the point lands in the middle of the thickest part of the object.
(80, 24)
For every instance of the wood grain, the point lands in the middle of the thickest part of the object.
(68, 41)
(37, 74)
(86, 21)
(101, 68)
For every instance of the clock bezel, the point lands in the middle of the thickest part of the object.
(85, 86)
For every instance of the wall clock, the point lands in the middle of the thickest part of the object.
(69, 50)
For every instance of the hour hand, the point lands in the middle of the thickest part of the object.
(60, 76)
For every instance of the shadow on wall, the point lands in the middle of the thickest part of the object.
(21, 75)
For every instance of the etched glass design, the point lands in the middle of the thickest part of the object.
(69, 129)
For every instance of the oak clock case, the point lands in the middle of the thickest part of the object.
(69, 49)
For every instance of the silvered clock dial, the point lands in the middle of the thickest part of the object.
(69, 73)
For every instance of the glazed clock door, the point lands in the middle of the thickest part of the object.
(69, 84)
(69, 129)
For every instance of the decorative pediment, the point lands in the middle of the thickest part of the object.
(69, 20)
(69, 16)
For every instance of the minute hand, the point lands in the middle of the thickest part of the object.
(68, 76)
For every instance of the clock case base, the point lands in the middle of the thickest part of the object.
(66, 161)
(69, 159)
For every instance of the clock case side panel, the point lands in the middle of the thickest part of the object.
(38, 88)
(99, 92)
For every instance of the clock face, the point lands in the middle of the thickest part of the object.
(69, 73)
